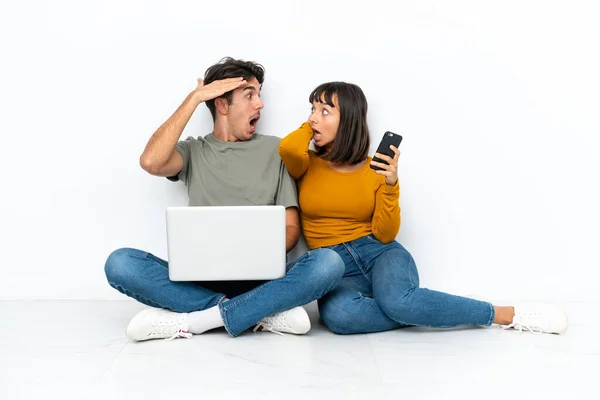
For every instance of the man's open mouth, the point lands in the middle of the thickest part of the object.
(254, 121)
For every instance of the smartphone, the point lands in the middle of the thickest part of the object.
(388, 139)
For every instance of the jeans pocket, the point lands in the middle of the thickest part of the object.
(372, 238)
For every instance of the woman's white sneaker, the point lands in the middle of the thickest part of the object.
(156, 323)
(539, 318)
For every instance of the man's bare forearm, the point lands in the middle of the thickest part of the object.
(160, 147)
(163, 141)
(292, 234)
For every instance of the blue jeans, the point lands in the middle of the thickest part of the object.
(144, 277)
(380, 291)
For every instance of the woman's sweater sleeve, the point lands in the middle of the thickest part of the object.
(386, 217)
(293, 150)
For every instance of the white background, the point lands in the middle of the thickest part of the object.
(498, 103)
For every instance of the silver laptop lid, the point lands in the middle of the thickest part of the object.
(226, 243)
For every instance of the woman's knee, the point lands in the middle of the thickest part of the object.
(336, 319)
(399, 306)
(397, 252)
(395, 269)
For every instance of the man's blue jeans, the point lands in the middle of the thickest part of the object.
(380, 291)
(144, 277)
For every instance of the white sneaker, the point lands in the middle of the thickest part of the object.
(539, 318)
(156, 323)
(294, 321)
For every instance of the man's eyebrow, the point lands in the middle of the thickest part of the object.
(249, 88)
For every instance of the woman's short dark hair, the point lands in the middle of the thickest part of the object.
(231, 68)
(351, 144)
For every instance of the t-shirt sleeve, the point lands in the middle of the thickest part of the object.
(286, 190)
(183, 148)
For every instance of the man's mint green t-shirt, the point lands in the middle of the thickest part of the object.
(220, 173)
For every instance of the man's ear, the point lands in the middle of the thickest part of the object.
(221, 105)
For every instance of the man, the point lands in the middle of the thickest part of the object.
(231, 166)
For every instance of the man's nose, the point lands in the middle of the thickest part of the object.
(260, 104)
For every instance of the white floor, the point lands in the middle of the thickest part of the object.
(78, 350)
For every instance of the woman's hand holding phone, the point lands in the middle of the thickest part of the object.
(389, 170)
(385, 161)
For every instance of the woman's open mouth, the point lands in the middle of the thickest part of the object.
(316, 135)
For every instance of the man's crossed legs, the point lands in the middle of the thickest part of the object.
(181, 309)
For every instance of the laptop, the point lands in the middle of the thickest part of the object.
(225, 243)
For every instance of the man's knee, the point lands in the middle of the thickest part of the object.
(118, 265)
(326, 266)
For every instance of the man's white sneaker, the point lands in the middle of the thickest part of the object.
(294, 321)
(539, 318)
(156, 323)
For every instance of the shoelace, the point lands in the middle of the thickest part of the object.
(518, 324)
(273, 324)
(173, 329)
(179, 334)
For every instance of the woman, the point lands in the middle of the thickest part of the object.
(354, 210)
